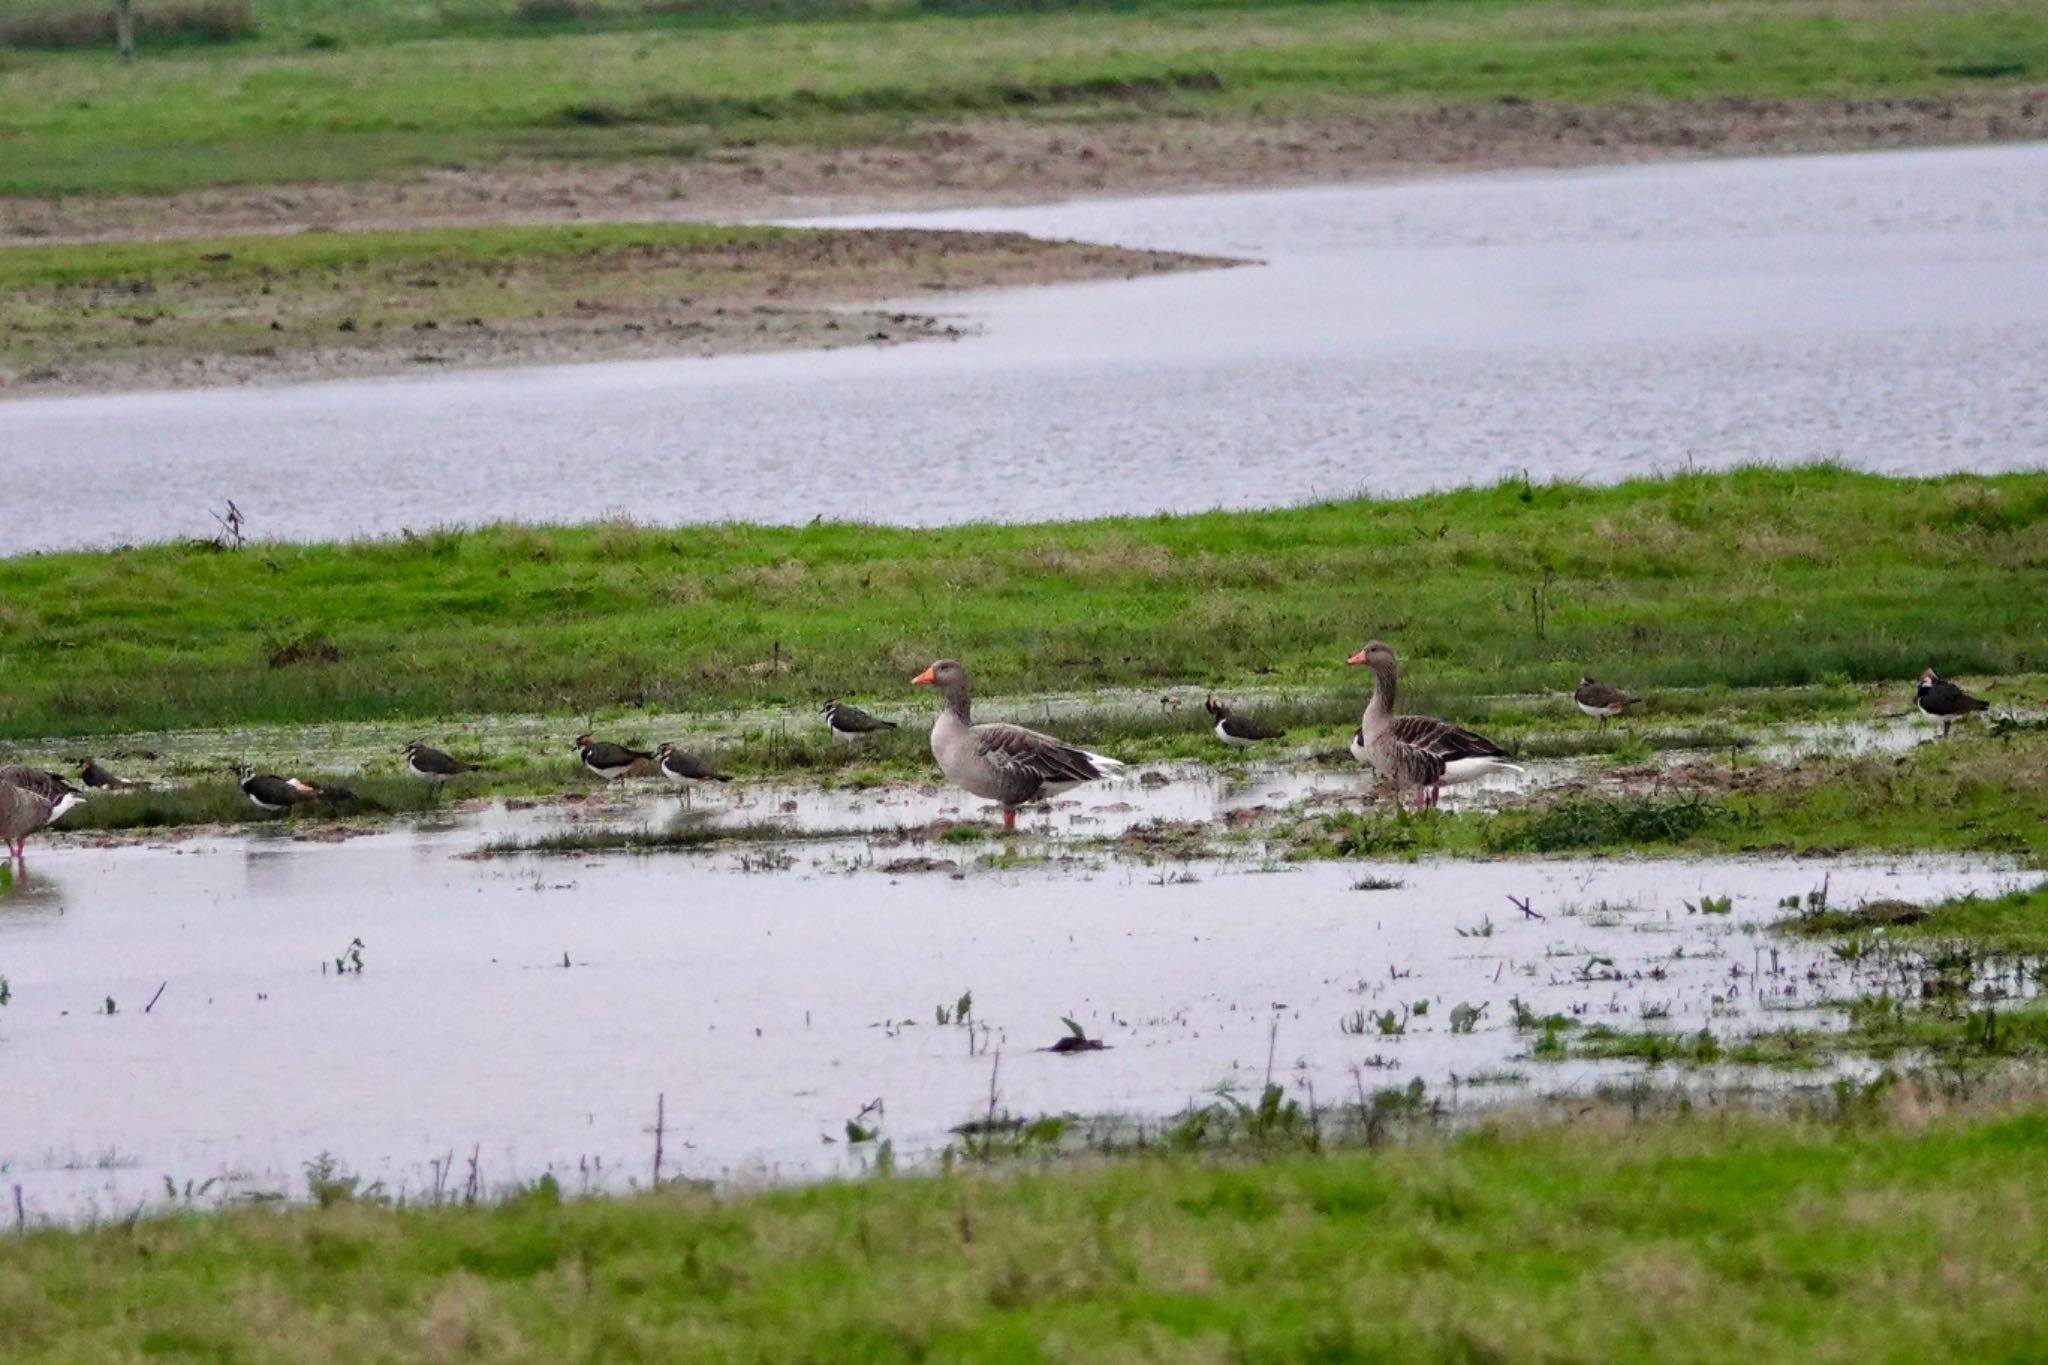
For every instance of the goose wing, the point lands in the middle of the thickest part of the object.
(1409, 764)
(1027, 753)
(1446, 741)
(49, 786)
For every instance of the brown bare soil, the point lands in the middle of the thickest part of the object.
(996, 161)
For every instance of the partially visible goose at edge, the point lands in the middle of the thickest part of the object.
(686, 770)
(1943, 700)
(1003, 763)
(52, 787)
(1418, 752)
(24, 811)
(1239, 732)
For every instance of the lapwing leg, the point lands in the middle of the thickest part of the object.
(1009, 817)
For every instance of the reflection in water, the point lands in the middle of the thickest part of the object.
(28, 894)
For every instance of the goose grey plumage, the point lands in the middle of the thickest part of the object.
(1602, 700)
(1004, 763)
(850, 722)
(608, 761)
(52, 787)
(1239, 732)
(686, 770)
(1943, 700)
(25, 810)
(1419, 752)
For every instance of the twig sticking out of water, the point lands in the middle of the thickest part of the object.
(1522, 905)
(660, 1131)
(154, 998)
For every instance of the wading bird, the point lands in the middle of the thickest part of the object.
(1004, 763)
(1417, 752)
(432, 765)
(608, 761)
(24, 811)
(1944, 701)
(850, 722)
(686, 770)
(1603, 701)
(1239, 732)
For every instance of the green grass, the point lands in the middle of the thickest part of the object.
(2016, 922)
(1752, 578)
(387, 96)
(1675, 1239)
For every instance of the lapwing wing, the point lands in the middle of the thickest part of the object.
(98, 778)
(850, 722)
(686, 770)
(1239, 732)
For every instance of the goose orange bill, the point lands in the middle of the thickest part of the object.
(1357, 658)
(924, 677)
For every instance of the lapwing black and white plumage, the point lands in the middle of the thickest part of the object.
(1003, 763)
(1239, 732)
(24, 812)
(850, 722)
(431, 765)
(1419, 752)
(98, 778)
(686, 770)
(1943, 700)
(1602, 701)
(269, 792)
(609, 761)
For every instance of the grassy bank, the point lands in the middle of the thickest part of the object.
(1751, 578)
(1880, 1235)
(312, 99)
(163, 313)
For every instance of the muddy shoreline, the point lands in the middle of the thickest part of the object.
(996, 161)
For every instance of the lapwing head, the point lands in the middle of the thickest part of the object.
(413, 747)
(1373, 655)
(831, 705)
(243, 772)
(1929, 678)
(1585, 680)
(1216, 706)
(664, 749)
(584, 742)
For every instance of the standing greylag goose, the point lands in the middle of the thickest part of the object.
(431, 765)
(1602, 701)
(686, 770)
(608, 761)
(1004, 763)
(24, 810)
(850, 722)
(1239, 732)
(1944, 701)
(1417, 751)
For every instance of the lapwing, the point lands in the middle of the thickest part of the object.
(1602, 701)
(98, 778)
(1007, 764)
(25, 810)
(686, 770)
(269, 792)
(1239, 732)
(1421, 752)
(608, 761)
(431, 765)
(850, 722)
(1944, 701)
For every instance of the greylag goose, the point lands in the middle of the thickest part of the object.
(850, 722)
(24, 810)
(1419, 752)
(608, 761)
(1004, 763)
(1944, 701)
(431, 765)
(268, 791)
(686, 770)
(1603, 701)
(98, 778)
(1239, 732)
(52, 787)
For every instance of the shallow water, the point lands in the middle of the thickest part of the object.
(769, 1007)
(1889, 310)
